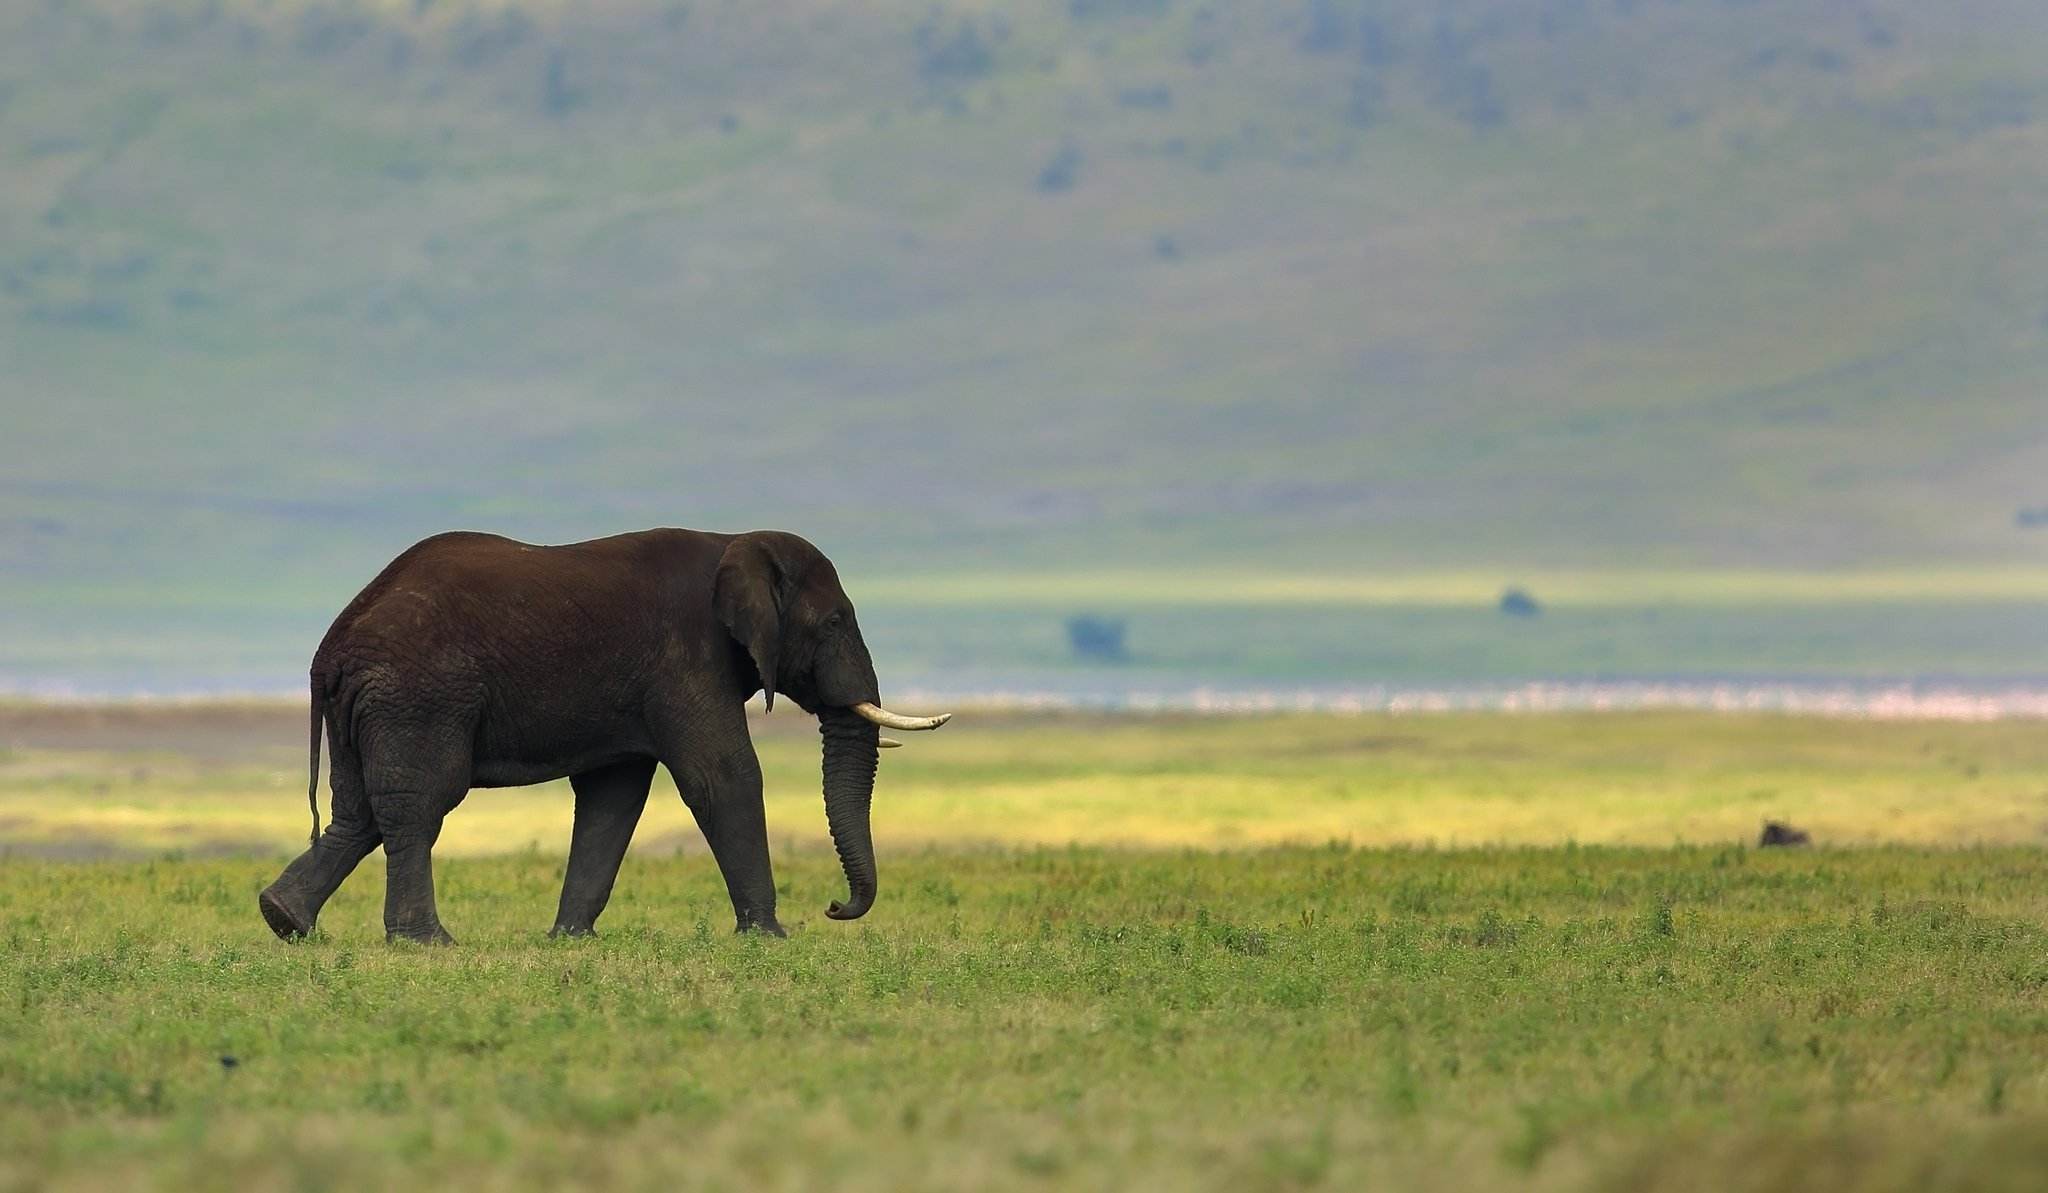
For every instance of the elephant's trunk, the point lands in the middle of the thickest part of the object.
(850, 755)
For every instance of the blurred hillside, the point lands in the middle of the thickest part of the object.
(1336, 285)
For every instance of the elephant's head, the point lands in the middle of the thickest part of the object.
(781, 600)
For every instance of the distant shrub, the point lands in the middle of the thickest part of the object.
(1368, 101)
(1468, 93)
(1061, 172)
(1376, 44)
(480, 39)
(1100, 639)
(954, 52)
(2032, 519)
(557, 95)
(1516, 602)
(323, 30)
(1084, 10)
(99, 314)
(1153, 96)
(1325, 30)
(1328, 28)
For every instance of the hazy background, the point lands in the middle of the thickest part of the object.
(1287, 333)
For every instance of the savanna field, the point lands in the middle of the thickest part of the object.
(1328, 347)
(1256, 953)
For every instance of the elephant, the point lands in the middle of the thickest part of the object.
(474, 660)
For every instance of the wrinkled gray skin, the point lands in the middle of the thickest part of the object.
(477, 661)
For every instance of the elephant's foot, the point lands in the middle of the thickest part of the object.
(571, 930)
(762, 922)
(289, 924)
(428, 934)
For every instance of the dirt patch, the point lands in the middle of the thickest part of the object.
(99, 849)
(201, 730)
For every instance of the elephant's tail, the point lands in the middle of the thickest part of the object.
(313, 776)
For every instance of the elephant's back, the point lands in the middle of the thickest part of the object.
(468, 601)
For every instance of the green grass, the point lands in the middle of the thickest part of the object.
(1065, 984)
(1299, 1018)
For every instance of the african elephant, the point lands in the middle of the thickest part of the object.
(477, 661)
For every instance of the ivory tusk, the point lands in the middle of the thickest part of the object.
(886, 743)
(889, 720)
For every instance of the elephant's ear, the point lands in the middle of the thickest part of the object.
(747, 595)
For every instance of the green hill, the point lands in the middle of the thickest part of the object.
(1335, 286)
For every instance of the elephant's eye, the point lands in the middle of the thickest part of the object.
(835, 621)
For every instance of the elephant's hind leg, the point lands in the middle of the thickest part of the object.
(609, 801)
(409, 909)
(410, 801)
(292, 904)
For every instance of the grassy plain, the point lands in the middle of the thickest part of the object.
(1131, 1010)
(1343, 286)
(204, 779)
(1376, 294)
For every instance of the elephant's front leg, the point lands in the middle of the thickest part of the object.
(609, 801)
(726, 800)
